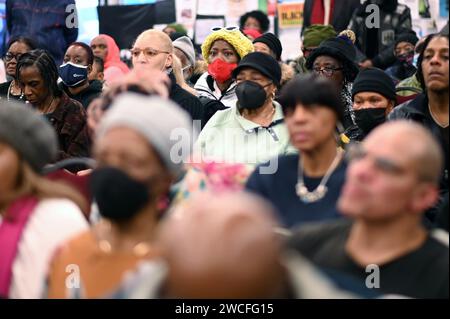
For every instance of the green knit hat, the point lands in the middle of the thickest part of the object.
(315, 34)
(178, 28)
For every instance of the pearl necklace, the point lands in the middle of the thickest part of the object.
(321, 190)
(9, 92)
(141, 249)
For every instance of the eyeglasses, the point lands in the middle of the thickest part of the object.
(327, 71)
(9, 56)
(355, 152)
(224, 29)
(148, 52)
(307, 51)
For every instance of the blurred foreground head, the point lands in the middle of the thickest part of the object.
(393, 175)
(222, 247)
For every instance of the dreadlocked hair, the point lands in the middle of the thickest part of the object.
(43, 61)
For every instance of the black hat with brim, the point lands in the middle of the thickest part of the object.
(260, 62)
(339, 49)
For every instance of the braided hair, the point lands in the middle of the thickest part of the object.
(349, 72)
(349, 75)
(43, 61)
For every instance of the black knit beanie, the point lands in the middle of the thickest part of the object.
(409, 37)
(272, 42)
(374, 80)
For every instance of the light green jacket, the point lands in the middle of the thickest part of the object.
(229, 137)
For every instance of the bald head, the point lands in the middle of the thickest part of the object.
(156, 39)
(416, 142)
(153, 49)
(393, 176)
(222, 246)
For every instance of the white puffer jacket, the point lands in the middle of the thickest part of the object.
(207, 86)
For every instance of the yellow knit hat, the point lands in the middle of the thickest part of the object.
(235, 38)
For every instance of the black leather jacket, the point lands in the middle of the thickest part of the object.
(417, 110)
(392, 23)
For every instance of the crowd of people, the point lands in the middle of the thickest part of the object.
(224, 171)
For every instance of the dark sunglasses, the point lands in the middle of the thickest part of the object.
(224, 29)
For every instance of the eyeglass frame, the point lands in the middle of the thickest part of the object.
(308, 49)
(325, 70)
(143, 51)
(355, 152)
(14, 56)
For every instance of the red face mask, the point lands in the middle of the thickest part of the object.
(221, 70)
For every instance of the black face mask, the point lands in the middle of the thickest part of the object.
(250, 95)
(368, 119)
(406, 59)
(118, 196)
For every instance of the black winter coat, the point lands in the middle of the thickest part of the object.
(341, 15)
(392, 23)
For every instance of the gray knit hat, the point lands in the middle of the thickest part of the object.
(185, 45)
(28, 133)
(166, 127)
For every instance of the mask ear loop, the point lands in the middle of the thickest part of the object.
(164, 68)
(338, 134)
(273, 94)
(340, 127)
